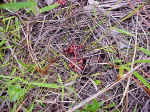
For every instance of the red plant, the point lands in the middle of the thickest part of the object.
(73, 50)
(61, 2)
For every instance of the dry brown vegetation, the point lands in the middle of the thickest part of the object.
(63, 59)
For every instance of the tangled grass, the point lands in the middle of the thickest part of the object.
(75, 55)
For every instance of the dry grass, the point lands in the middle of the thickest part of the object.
(36, 61)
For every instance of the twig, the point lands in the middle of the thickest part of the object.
(40, 36)
(31, 52)
(102, 91)
(21, 105)
(132, 64)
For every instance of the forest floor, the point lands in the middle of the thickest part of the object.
(75, 56)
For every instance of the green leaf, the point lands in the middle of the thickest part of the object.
(142, 61)
(48, 8)
(8, 25)
(146, 51)
(34, 9)
(1, 29)
(101, 103)
(137, 61)
(52, 85)
(13, 71)
(38, 84)
(31, 107)
(132, 13)
(95, 74)
(17, 5)
(118, 61)
(15, 92)
(140, 77)
(21, 63)
(27, 67)
(135, 108)
(97, 82)
(2, 42)
(122, 31)
(121, 70)
(6, 47)
(93, 107)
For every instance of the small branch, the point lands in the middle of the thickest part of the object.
(132, 64)
(102, 91)
(31, 51)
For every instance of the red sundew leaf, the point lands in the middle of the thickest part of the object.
(62, 2)
(73, 49)
(81, 61)
(81, 67)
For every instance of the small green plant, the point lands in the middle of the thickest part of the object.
(133, 12)
(30, 5)
(97, 82)
(93, 107)
(122, 31)
(35, 83)
(124, 67)
(15, 92)
(135, 108)
(145, 51)
(18, 5)
(49, 7)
